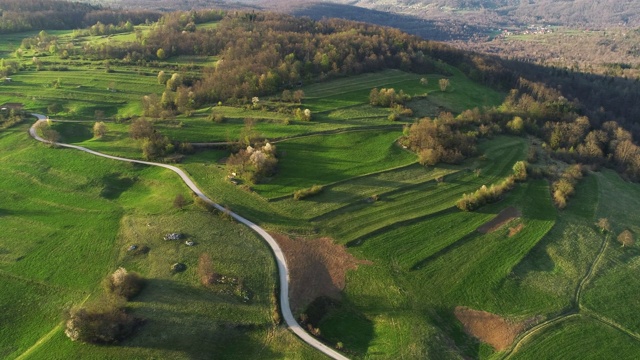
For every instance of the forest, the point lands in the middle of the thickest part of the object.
(25, 15)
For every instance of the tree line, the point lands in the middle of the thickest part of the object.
(25, 15)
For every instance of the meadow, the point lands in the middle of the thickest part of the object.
(69, 222)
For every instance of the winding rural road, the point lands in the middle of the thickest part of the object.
(283, 271)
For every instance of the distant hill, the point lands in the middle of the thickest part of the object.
(583, 13)
(433, 19)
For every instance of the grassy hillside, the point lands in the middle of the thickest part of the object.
(69, 222)
(70, 219)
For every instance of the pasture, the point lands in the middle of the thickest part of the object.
(70, 221)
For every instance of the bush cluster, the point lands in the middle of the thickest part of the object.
(305, 193)
(123, 283)
(564, 187)
(105, 326)
(253, 163)
(487, 195)
(439, 140)
(107, 321)
(387, 97)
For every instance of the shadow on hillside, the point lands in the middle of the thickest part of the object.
(442, 31)
(115, 184)
(197, 337)
(172, 292)
(445, 319)
(341, 321)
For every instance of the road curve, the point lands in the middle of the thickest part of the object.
(283, 271)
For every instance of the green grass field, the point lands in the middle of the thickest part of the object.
(69, 222)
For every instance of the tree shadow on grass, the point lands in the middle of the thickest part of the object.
(446, 320)
(198, 337)
(173, 292)
(343, 322)
(115, 184)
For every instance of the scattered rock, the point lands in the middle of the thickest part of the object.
(173, 236)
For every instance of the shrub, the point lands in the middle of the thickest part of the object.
(520, 171)
(99, 129)
(604, 225)
(626, 238)
(485, 195)
(205, 270)
(105, 326)
(123, 283)
(564, 187)
(305, 193)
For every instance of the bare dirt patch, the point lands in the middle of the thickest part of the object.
(490, 328)
(317, 267)
(500, 220)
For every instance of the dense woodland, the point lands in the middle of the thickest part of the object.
(25, 15)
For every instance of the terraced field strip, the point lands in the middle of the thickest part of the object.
(355, 221)
(323, 160)
(359, 83)
(359, 191)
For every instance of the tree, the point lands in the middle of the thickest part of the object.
(604, 225)
(123, 283)
(162, 77)
(161, 54)
(520, 171)
(174, 82)
(99, 129)
(516, 125)
(141, 129)
(248, 134)
(626, 238)
(47, 132)
(444, 84)
(155, 146)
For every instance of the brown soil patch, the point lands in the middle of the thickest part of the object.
(490, 328)
(515, 229)
(12, 106)
(317, 267)
(502, 218)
